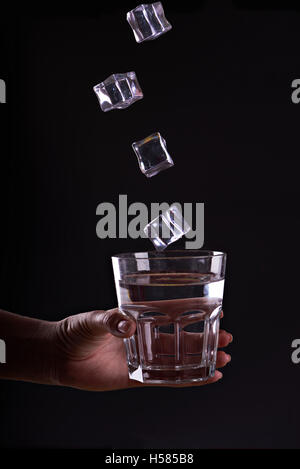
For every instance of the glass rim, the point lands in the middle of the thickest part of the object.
(171, 254)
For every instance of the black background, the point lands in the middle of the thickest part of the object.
(218, 88)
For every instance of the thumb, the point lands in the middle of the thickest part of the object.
(113, 321)
(81, 334)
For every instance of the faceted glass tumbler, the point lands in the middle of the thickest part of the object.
(167, 228)
(175, 299)
(118, 91)
(152, 154)
(148, 21)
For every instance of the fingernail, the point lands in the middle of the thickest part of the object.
(228, 357)
(123, 326)
(230, 337)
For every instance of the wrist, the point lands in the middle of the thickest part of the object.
(30, 349)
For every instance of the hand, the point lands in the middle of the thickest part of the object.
(90, 353)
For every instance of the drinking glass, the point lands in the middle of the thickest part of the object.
(175, 298)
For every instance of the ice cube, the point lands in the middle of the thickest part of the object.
(118, 91)
(167, 228)
(148, 21)
(152, 154)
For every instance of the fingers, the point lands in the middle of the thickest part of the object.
(225, 338)
(190, 342)
(222, 359)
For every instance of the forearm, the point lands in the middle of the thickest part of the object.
(29, 348)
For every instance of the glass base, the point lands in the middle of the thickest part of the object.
(172, 376)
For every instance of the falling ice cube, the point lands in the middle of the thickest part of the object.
(118, 91)
(152, 154)
(167, 228)
(148, 21)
